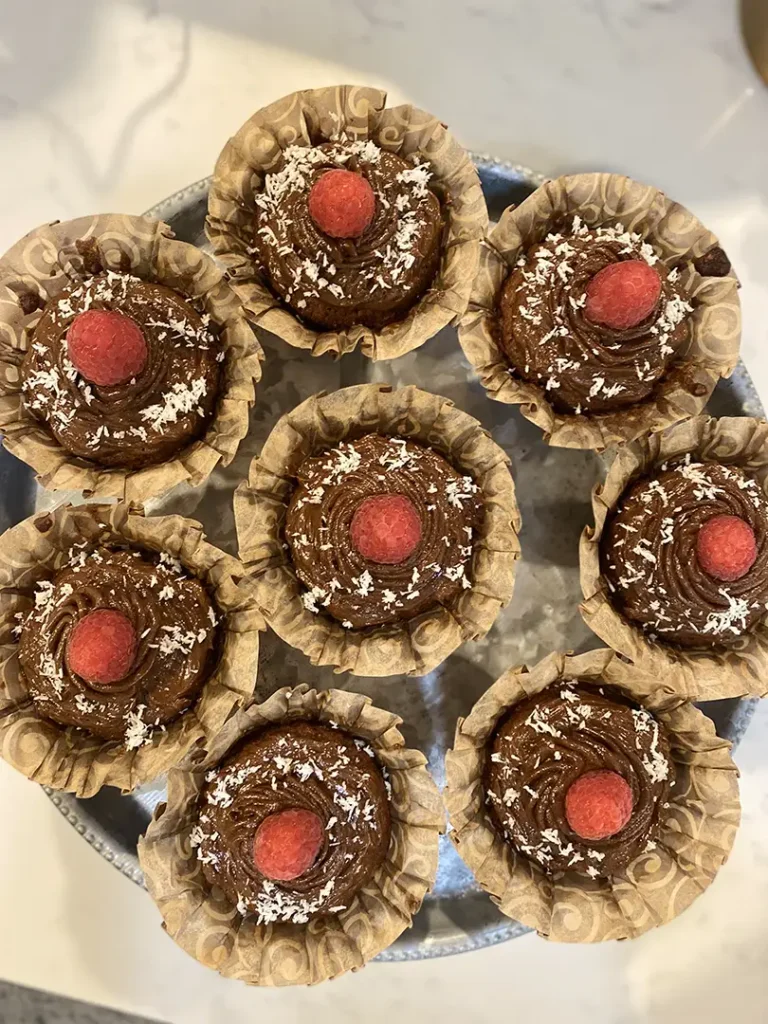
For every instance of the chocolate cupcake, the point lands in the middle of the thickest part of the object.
(294, 823)
(381, 529)
(129, 366)
(123, 372)
(675, 572)
(375, 552)
(592, 316)
(344, 222)
(347, 233)
(574, 785)
(119, 643)
(576, 779)
(603, 309)
(125, 642)
(685, 553)
(300, 845)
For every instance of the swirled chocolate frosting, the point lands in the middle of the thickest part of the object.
(648, 555)
(297, 765)
(339, 580)
(176, 628)
(584, 366)
(335, 283)
(549, 741)
(151, 417)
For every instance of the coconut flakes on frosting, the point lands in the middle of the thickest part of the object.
(544, 265)
(298, 166)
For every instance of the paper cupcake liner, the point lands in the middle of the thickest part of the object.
(698, 828)
(418, 645)
(606, 199)
(736, 670)
(71, 759)
(308, 118)
(208, 927)
(48, 259)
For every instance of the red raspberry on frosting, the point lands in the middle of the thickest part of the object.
(106, 347)
(622, 295)
(386, 528)
(287, 843)
(598, 804)
(726, 548)
(102, 647)
(342, 203)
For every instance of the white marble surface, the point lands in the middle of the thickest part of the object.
(113, 105)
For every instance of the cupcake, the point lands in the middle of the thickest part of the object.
(126, 641)
(387, 501)
(379, 530)
(576, 779)
(345, 222)
(603, 309)
(128, 364)
(119, 643)
(300, 845)
(589, 804)
(685, 553)
(675, 573)
(313, 804)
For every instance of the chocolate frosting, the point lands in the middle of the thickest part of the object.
(584, 366)
(153, 416)
(341, 581)
(545, 744)
(648, 555)
(304, 765)
(174, 621)
(335, 283)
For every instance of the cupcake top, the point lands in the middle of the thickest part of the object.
(119, 643)
(577, 777)
(380, 529)
(348, 233)
(685, 554)
(124, 372)
(294, 823)
(593, 316)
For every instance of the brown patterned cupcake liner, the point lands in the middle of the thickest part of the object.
(50, 258)
(208, 926)
(698, 825)
(739, 669)
(603, 200)
(72, 759)
(313, 115)
(415, 646)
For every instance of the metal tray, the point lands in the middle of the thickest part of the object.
(553, 490)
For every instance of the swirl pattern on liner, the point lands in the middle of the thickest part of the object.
(339, 579)
(648, 555)
(167, 406)
(176, 628)
(545, 744)
(371, 280)
(305, 765)
(585, 366)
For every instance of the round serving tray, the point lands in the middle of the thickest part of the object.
(553, 487)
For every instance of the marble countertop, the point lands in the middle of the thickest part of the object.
(111, 106)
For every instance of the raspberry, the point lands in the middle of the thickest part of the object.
(622, 295)
(342, 203)
(726, 548)
(287, 843)
(106, 347)
(102, 647)
(598, 804)
(386, 528)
